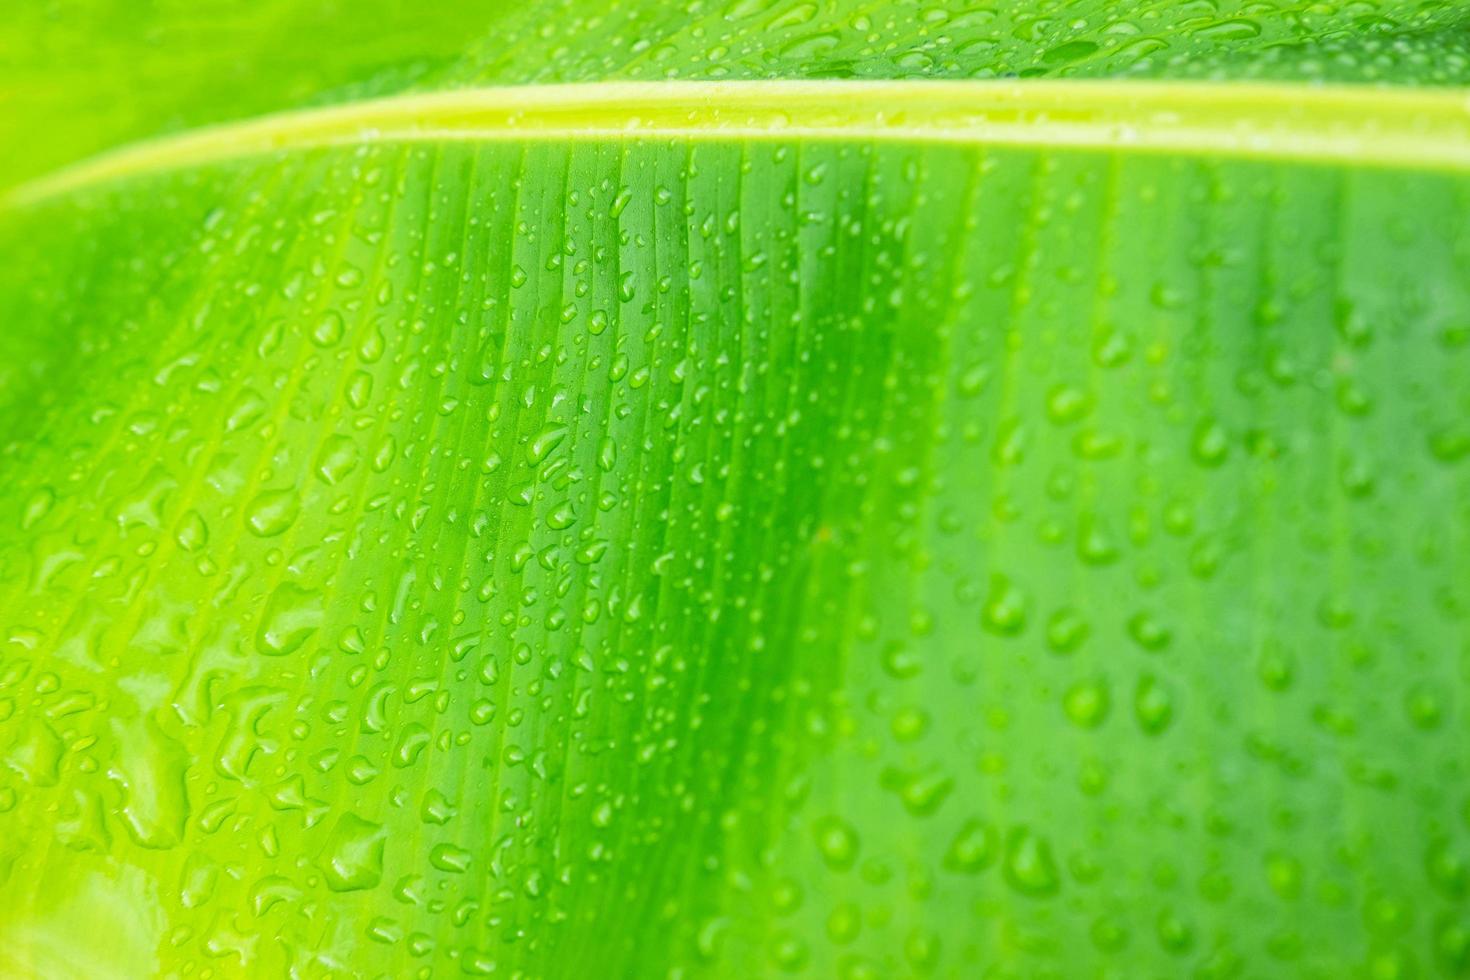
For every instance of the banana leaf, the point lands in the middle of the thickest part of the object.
(830, 488)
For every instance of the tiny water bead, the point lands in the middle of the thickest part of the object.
(838, 843)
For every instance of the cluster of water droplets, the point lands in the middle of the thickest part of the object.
(729, 558)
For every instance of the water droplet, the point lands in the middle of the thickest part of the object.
(337, 458)
(272, 512)
(1030, 867)
(837, 841)
(1086, 703)
(291, 616)
(352, 859)
(973, 849)
(328, 329)
(1152, 705)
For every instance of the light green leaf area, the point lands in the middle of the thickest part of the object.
(721, 553)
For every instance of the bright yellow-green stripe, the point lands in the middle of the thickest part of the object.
(1414, 129)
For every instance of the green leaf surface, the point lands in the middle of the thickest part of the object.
(994, 529)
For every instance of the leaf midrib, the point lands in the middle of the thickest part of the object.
(1415, 129)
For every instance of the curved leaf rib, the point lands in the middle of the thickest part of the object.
(1366, 127)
